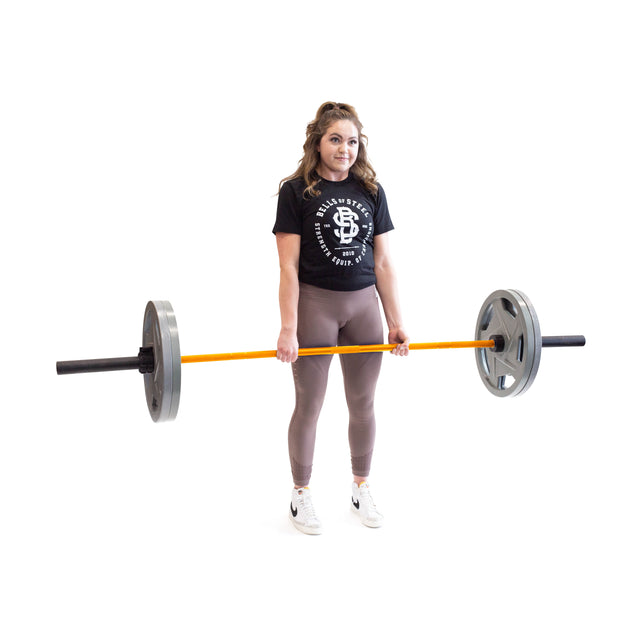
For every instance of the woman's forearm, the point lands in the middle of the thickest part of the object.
(387, 285)
(288, 295)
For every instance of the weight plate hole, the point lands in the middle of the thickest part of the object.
(509, 307)
(485, 362)
(486, 320)
(520, 348)
(505, 382)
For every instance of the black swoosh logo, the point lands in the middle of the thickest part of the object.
(294, 512)
(356, 504)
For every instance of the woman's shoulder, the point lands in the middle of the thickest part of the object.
(294, 183)
(373, 189)
(293, 188)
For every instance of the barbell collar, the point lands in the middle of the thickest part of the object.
(146, 360)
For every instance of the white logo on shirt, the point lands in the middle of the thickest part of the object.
(348, 229)
(340, 239)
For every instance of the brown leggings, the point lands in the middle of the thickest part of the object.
(325, 319)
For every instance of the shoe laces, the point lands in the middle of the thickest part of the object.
(307, 505)
(366, 499)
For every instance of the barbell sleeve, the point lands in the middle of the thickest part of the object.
(143, 362)
(564, 341)
(97, 365)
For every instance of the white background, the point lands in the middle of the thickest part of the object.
(142, 145)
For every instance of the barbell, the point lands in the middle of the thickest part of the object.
(507, 344)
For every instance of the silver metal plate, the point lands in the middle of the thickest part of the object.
(509, 313)
(162, 387)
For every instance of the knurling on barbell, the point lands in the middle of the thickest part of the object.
(508, 346)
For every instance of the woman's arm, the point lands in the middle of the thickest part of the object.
(386, 283)
(289, 255)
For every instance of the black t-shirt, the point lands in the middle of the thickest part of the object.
(336, 229)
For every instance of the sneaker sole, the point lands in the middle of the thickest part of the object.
(310, 531)
(372, 524)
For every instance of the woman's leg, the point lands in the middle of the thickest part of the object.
(361, 373)
(317, 327)
(310, 374)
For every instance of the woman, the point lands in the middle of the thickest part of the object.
(331, 229)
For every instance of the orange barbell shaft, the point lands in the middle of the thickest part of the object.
(320, 351)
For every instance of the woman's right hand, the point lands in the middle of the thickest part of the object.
(287, 346)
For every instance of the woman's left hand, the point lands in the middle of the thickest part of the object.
(399, 337)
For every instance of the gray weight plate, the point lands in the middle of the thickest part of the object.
(509, 313)
(162, 387)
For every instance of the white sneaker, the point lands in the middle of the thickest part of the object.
(363, 506)
(302, 513)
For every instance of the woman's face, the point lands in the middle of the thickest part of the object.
(338, 150)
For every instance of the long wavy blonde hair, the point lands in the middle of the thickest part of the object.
(327, 114)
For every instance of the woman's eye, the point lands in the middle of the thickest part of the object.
(353, 143)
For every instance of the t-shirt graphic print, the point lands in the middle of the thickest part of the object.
(343, 228)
